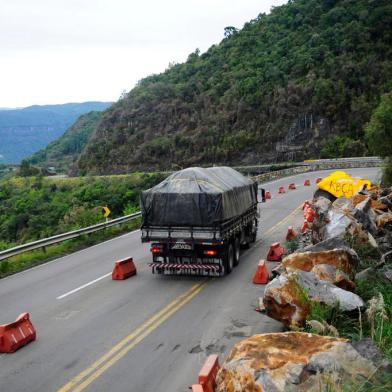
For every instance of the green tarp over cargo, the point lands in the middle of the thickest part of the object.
(199, 197)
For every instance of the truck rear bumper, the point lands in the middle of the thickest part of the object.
(186, 269)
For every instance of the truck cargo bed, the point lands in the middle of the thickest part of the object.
(197, 220)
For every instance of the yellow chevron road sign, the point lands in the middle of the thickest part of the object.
(106, 211)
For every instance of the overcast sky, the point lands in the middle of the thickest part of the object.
(57, 51)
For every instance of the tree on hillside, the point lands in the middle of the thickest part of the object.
(230, 30)
(379, 129)
(26, 170)
(379, 134)
(296, 78)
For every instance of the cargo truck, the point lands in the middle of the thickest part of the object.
(198, 219)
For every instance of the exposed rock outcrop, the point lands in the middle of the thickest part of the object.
(291, 361)
(328, 244)
(287, 298)
(344, 259)
(333, 275)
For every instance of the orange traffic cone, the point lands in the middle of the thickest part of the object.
(304, 227)
(291, 234)
(307, 183)
(261, 274)
(292, 186)
(306, 204)
(309, 214)
(275, 252)
(267, 195)
(281, 189)
(318, 180)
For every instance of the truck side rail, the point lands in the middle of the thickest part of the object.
(194, 233)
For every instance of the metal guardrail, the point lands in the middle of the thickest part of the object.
(311, 162)
(376, 160)
(5, 254)
(320, 164)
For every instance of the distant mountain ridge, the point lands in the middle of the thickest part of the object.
(63, 152)
(27, 130)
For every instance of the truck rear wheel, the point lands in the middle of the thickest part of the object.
(254, 231)
(229, 259)
(237, 246)
(253, 237)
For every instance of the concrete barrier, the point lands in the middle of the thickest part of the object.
(323, 164)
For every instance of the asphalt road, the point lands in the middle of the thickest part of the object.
(149, 333)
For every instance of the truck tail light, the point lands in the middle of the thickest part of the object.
(156, 249)
(210, 252)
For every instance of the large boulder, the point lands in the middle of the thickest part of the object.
(384, 243)
(345, 260)
(285, 301)
(291, 361)
(386, 201)
(331, 243)
(288, 297)
(368, 349)
(333, 275)
(321, 205)
(340, 220)
(374, 203)
(384, 220)
(365, 215)
(338, 223)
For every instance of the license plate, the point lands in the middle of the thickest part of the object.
(181, 246)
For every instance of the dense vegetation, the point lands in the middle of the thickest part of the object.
(4, 170)
(37, 207)
(24, 131)
(379, 135)
(62, 152)
(281, 88)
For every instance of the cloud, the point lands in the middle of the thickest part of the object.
(55, 51)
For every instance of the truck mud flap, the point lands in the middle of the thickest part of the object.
(186, 269)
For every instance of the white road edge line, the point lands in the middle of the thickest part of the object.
(83, 286)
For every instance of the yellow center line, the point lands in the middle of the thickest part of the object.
(196, 288)
(126, 349)
(284, 220)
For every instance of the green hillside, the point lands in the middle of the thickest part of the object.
(38, 207)
(62, 152)
(280, 88)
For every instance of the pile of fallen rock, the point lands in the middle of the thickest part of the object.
(292, 361)
(324, 270)
(366, 217)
